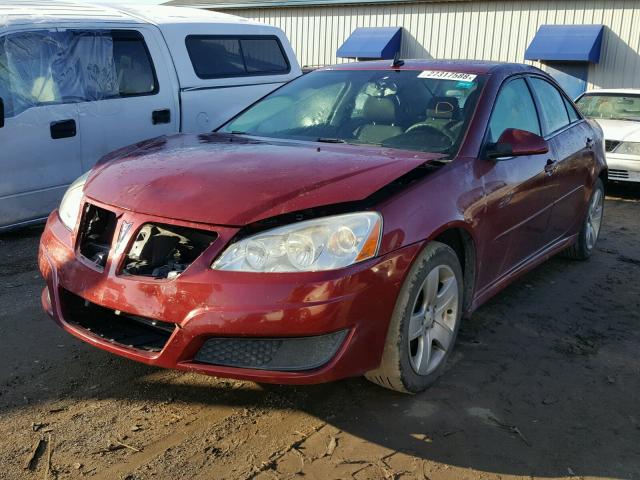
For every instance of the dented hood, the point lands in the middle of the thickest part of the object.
(235, 180)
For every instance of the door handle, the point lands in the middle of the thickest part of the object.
(63, 129)
(550, 167)
(589, 143)
(161, 116)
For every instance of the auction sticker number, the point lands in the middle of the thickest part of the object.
(465, 77)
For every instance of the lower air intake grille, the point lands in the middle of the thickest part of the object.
(618, 174)
(127, 330)
(283, 354)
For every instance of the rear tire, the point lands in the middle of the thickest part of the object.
(424, 323)
(588, 236)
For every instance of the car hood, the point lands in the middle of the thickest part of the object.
(236, 180)
(620, 129)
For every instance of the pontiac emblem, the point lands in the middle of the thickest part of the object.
(124, 229)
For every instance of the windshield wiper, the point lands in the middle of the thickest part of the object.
(330, 140)
(238, 132)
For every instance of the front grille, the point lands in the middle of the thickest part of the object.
(116, 327)
(610, 145)
(283, 354)
(96, 233)
(618, 174)
(165, 251)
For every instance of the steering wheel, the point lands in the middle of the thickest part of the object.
(432, 131)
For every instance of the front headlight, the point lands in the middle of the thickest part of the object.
(628, 148)
(323, 244)
(70, 205)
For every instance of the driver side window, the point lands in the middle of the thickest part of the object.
(514, 108)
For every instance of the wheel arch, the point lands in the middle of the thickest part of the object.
(604, 176)
(463, 244)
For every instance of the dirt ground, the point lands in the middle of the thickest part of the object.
(544, 383)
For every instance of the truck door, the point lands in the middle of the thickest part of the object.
(136, 101)
(40, 140)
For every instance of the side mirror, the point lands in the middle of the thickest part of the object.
(517, 143)
(1, 112)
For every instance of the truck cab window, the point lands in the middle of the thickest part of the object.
(134, 68)
(54, 67)
(27, 76)
(215, 56)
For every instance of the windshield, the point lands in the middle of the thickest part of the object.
(408, 109)
(610, 105)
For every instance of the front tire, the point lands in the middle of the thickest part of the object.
(424, 323)
(588, 236)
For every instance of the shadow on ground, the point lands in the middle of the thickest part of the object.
(544, 381)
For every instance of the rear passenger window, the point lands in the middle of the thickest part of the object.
(70, 66)
(573, 114)
(224, 56)
(514, 108)
(554, 111)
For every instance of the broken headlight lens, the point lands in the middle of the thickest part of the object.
(70, 205)
(326, 243)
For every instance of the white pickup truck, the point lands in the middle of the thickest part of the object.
(78, 81)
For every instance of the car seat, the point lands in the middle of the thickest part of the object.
(380, 113)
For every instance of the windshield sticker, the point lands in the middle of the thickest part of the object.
(465, 84)
(463, 77)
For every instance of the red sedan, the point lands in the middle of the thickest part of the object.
(341, 226)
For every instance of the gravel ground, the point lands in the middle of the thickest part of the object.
(544, 383)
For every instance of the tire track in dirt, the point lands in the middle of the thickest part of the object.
(554, 356)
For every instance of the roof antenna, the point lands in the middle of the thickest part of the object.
(396, 60)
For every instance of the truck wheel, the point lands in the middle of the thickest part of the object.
(588, 237)
(424, 323)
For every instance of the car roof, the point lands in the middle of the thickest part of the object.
(30, 12)
(614, 90)
(478, 67)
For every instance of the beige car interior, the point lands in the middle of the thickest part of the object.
(380, 113)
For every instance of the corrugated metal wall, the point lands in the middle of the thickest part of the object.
(498, 30)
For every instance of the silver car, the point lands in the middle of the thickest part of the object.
(618, 113)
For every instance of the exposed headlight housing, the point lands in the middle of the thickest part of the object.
(70, 205)
(325, 243)
(628, 148)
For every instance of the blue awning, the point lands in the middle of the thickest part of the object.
(372, 42)
(572, 43)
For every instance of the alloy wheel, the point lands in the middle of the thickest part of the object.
(433, 320)
(594, 218)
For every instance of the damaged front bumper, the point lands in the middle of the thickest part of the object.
(282, 328)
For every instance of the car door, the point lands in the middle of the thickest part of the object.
(571, 140)
(40, 140)
(518, 205)
(134, 97)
